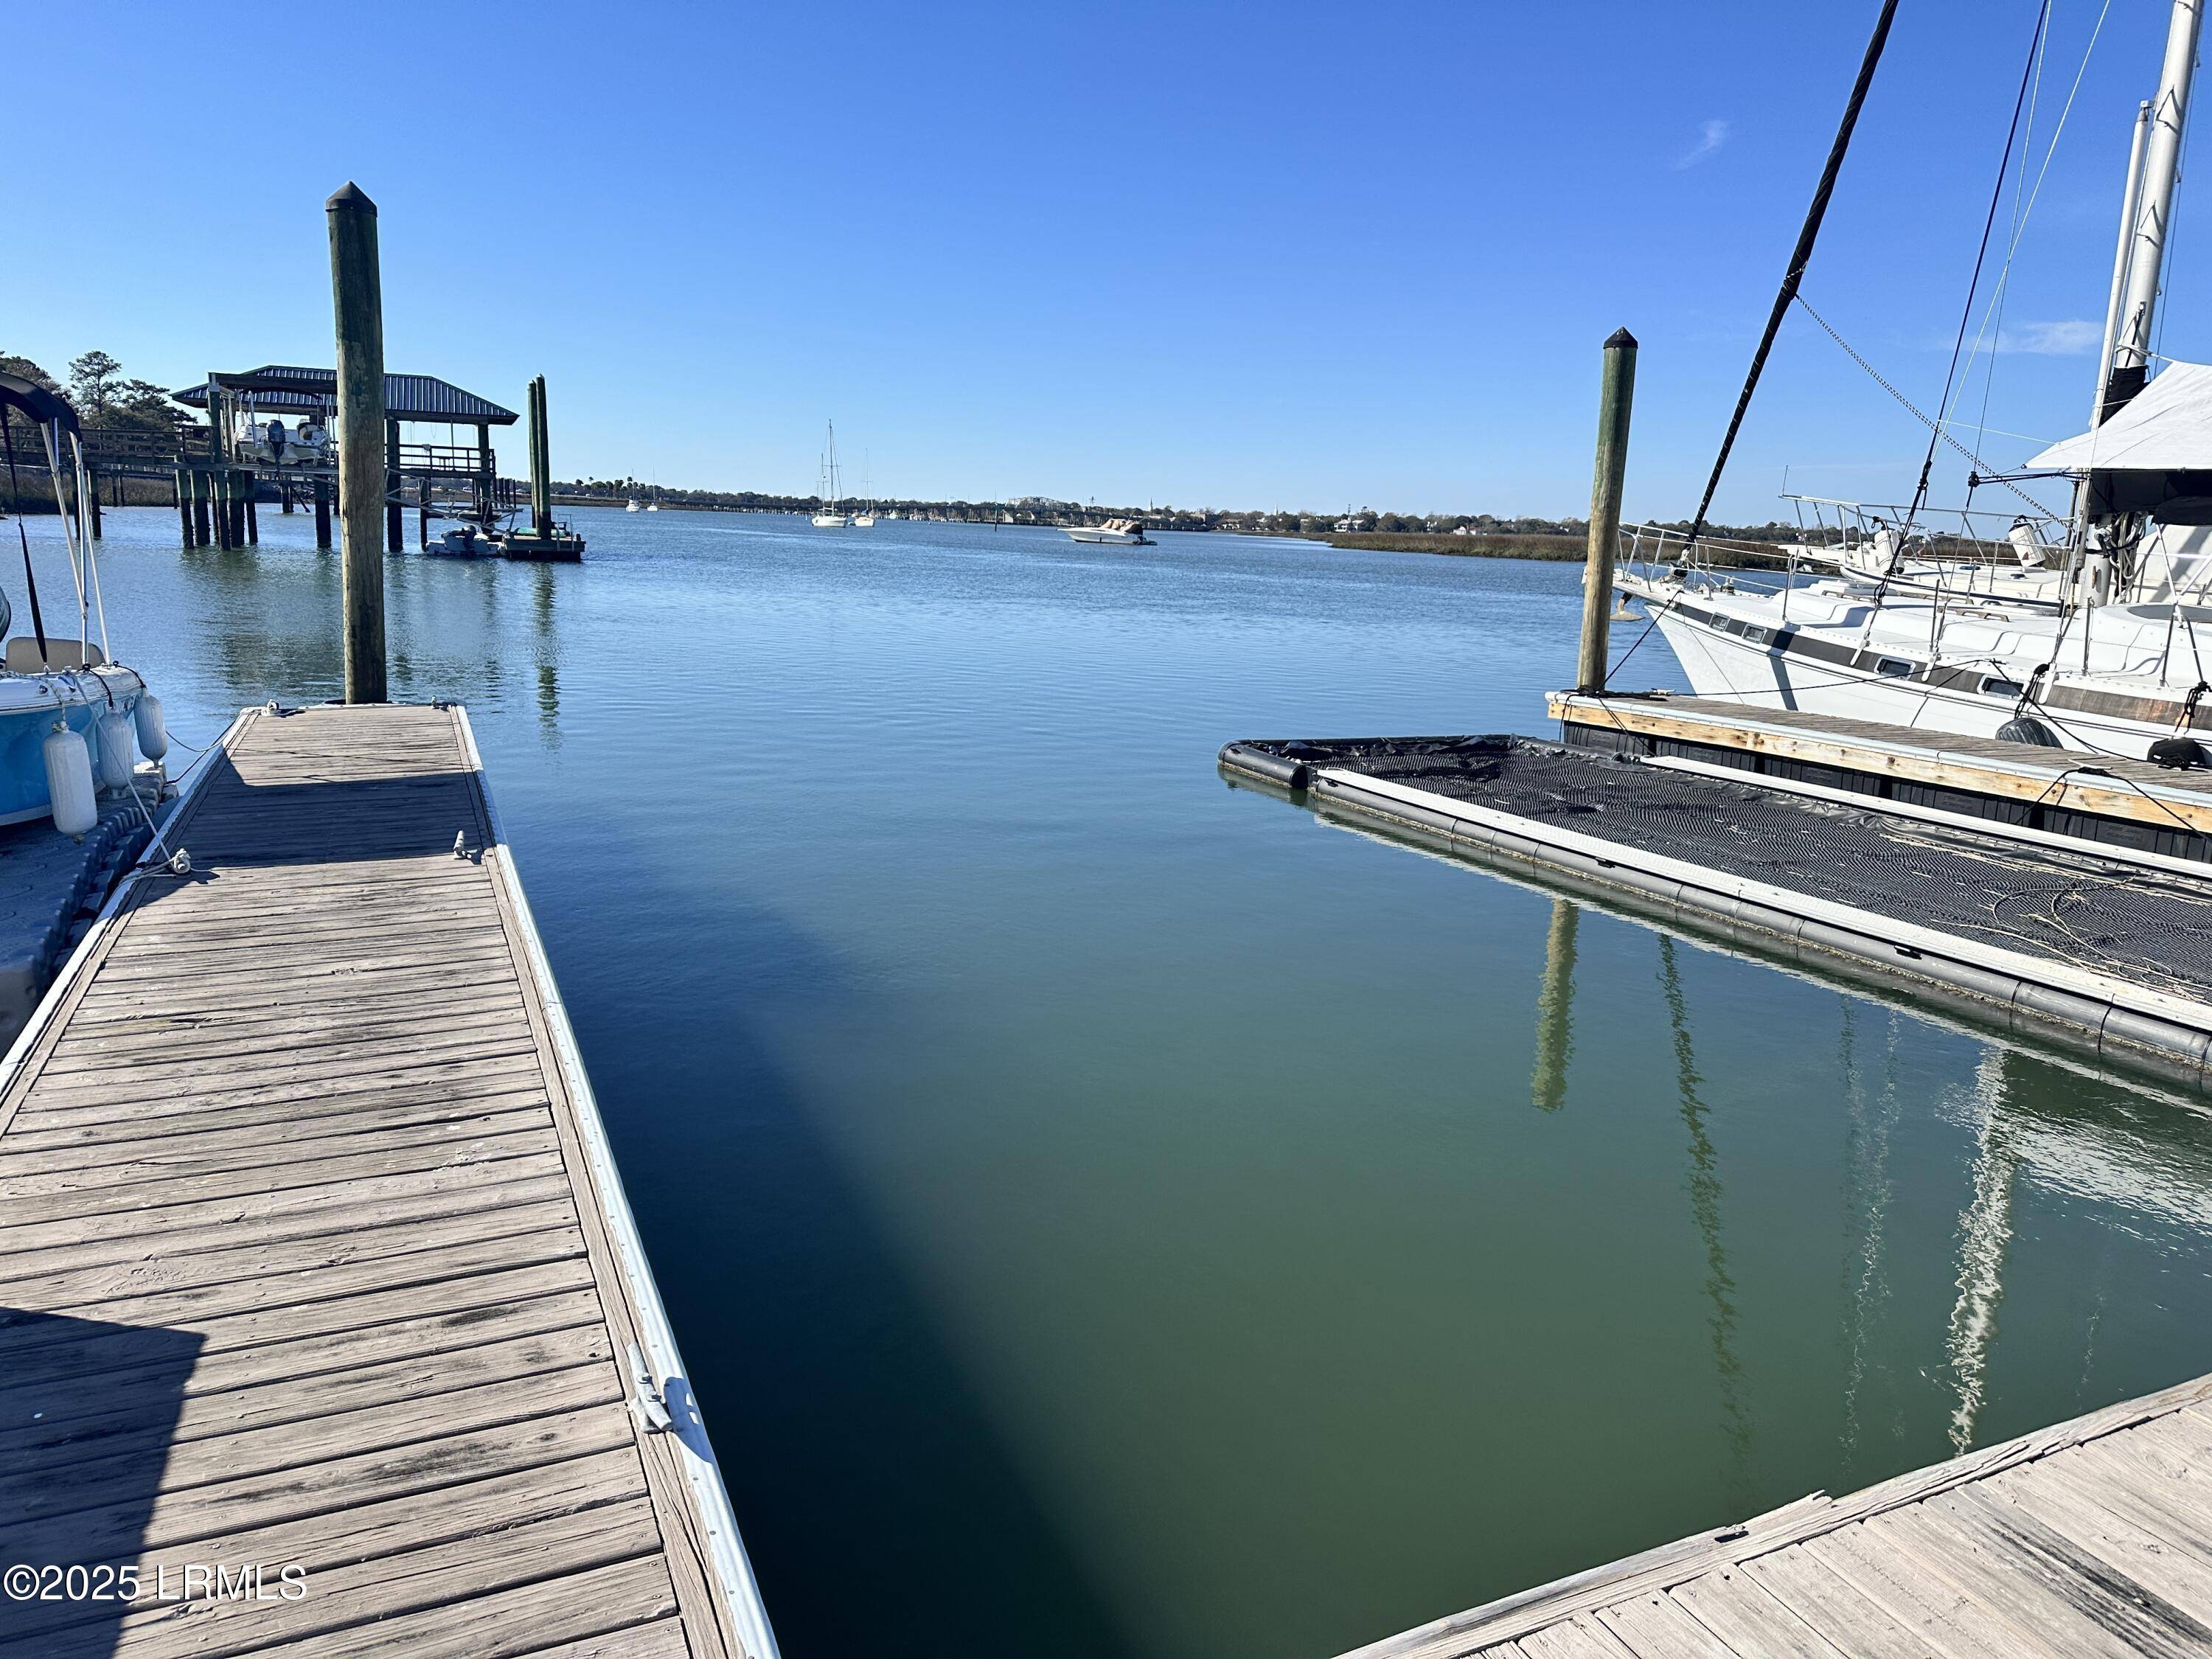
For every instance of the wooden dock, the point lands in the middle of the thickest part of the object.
(312, 1254)
(2092, 1540)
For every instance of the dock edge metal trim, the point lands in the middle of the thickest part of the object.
(703, 1472)
(2110, 1009)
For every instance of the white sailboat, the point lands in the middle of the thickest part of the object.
(866, 518)
(2089, 628)
(831, 517)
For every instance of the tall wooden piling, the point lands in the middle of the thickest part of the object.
(422, 512)
(184, 509)
(357, 299)
(249, 490)
(541, 467)
(197, 482)
(322, 515)
(92, 502)
(1615, 397)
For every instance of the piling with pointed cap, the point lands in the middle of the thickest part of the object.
(357, 299)
(1614, 399)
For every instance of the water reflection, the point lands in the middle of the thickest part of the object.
(1870, 1118)
(1705, 1184)
(1555, 1031)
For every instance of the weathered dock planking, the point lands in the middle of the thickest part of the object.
(2091, 1538)
(311, 1252)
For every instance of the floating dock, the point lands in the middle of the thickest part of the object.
(2049, 893)
(2090, 1539)
(314, 1255)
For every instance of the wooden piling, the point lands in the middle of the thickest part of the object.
(184, 509)
(1615, 398)
(249, 490)
(422, 512)
(92, 500)
(541, 471)
(357, 299)
(394, 523)
(322, 515)
(284, 496)
(198, 481)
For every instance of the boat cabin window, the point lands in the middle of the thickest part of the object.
(1992, 686)
(1893, 668)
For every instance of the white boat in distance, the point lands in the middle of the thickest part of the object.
(633, 506)
(1122, 532)
(831, 517)
(2088, 629)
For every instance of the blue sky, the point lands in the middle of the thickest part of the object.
(1282, 255)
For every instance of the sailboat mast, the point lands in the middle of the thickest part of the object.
(2154, 219)
(2130, 202)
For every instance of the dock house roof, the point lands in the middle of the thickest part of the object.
(406, 397)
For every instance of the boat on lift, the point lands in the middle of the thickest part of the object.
(73, 721)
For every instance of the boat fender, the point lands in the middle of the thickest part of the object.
(2025, 728)
(2177, 752)
(68, 782)
(153, 729)
(115, 756)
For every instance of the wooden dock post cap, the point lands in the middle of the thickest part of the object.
(349, 195)
(1619, 340)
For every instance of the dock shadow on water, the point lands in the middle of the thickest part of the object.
(88, 1411)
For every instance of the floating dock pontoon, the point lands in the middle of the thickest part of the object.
(2064, 895)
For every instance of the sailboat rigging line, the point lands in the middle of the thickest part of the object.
(2020, 221)
(1981, 255)
(1800, 257)
(1983, 470)
(15, 501)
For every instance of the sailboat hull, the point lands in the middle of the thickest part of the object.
(1723, 664)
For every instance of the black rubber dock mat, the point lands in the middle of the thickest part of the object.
(2141, 925)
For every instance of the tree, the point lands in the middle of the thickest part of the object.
(93, 380)
(24, 369)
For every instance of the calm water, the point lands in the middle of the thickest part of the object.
(1110, 1213)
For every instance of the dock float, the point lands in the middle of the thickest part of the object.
(323, 1323)
(2090, 1539)
(2101, 945)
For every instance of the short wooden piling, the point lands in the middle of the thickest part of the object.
(92, 501)
(1615, 398)
(357, 297)
(322, 515)
(202, 528)
(422, 512)
(248, 490)
(184, 509)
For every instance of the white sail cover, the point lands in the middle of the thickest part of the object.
(2165, 428)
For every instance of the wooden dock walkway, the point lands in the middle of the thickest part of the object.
(312, 1254)
(2092, 1540)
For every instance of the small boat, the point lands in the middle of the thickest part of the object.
(72, 721)
(1122, 532)
(831, 517)
(634, 507)
(653, 507)
(464, 542)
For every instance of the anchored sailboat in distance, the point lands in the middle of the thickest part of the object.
(2085, 626)
(831, 517)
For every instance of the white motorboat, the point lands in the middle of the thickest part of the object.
(634, 507)
(2088, 627)
(1120, 533)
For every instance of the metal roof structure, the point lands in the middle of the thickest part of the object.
(280, 386)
